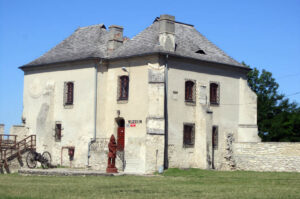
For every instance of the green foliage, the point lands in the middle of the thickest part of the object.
(277, 118)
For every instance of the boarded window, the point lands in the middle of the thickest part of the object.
(188, 135)
(123, 88)
(214, 93)
(189, 91)
(58, 132)
(215, 137)
(69, 93)
(202, 95)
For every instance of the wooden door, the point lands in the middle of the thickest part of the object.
(121, 139)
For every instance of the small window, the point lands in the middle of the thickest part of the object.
(123, 88)
(189, 91)
(188, 135)
(58, 132)
(69, 93)
(215, 137)
(214, 93)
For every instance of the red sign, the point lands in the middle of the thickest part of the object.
(132, 125)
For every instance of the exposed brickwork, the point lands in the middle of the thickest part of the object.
(267, 156)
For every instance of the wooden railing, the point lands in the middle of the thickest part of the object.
(8, 141)
(10, 148)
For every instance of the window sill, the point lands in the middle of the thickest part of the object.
(121, 101)
(68, 106)
(214, 104)
(190, 103)
(188, 145)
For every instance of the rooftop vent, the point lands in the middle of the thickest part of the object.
(201, 52)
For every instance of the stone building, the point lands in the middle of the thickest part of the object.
(170, 97)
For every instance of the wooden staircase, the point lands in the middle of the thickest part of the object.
(10, 149)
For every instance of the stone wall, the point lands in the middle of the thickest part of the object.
(267, 156)
(1, 128)
(20, 130)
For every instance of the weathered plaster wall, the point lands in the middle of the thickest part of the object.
(247, 131)
(144, 143)
(137, 142)
(226, 115)
(43, 106)
(267, 156)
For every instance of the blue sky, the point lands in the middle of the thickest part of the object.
(264, 34)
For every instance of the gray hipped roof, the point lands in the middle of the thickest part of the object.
(85, 42)
(188, 40)
(91, 42)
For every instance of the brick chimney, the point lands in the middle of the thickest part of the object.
(167, 32)
(115, 39)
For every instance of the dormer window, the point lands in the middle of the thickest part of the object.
(201, 52)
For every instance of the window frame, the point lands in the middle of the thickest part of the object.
(122, 87)
(191, 142)
(216, 100)
(189, 87)
(58, 131)
(69, 94)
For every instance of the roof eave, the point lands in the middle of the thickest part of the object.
(180, 56)
(25, 67)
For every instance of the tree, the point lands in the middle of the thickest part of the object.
(277, 118)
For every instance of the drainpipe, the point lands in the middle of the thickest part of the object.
(166, 162)
(95, 113)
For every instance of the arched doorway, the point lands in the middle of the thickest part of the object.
(121, 140)
(120, 134)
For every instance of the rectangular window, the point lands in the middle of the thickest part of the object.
(123, 90)
(190, 91)
(58, 132)
(68, 93)
(188, 135)
(214, 93)
(215, 137)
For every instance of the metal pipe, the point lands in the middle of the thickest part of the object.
(166, 162)
(95, 113)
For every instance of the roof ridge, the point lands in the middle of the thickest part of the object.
(101, 25)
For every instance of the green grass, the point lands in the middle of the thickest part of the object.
(174, 183)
